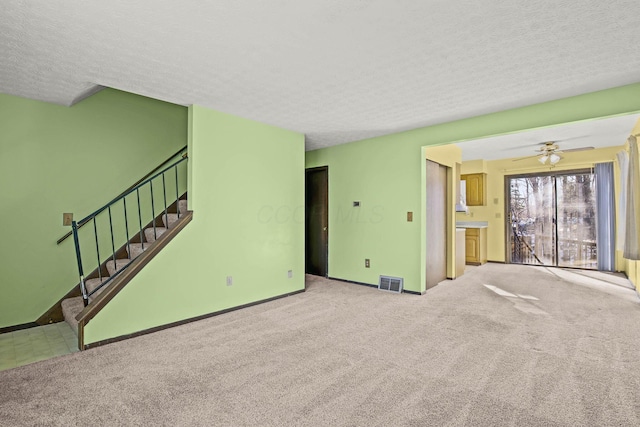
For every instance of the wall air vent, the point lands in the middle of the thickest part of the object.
(391, 284)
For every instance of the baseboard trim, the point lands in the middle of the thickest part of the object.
(7, 329)
(352, 281)
(370, 285)
(185, 321)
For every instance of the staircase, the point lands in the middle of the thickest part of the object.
(71, 307)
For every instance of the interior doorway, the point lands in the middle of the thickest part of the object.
(436, 227)
(552, 219)
(317, 221)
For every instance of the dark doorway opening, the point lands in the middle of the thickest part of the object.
(317, 221)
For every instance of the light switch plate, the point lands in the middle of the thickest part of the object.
(67, 219)
(409, 216)
(229, 280)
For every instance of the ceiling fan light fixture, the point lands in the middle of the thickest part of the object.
(554, 158)
(543, 159)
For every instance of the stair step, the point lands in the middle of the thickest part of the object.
(182, 206)
(119, 264)
(92, 284)
(170, 219)
(149, 235)
(70, 309)
(136, 249)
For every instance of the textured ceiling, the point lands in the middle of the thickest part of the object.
(609, 132)
(336, 70)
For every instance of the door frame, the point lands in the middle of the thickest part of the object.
(507, 208)
(306, 172)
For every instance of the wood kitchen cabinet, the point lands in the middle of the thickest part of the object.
(476, 188)
(475, 243)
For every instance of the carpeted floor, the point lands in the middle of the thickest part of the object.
(533, 347)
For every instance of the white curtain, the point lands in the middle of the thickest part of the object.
(606, 216)
(623, 163)
(632, 240)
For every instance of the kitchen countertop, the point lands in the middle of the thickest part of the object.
(472, 224)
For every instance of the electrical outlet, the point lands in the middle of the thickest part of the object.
(498, 215)
(290, 274)
(367, 264)
(67, 219)
(495, 201)
(229, 280)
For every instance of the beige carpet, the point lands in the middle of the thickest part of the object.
(534, 349)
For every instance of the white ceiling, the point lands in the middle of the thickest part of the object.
(336, 70)
(600, 133)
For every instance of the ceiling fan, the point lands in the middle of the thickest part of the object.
(550, 151)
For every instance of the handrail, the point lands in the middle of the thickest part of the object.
(125, 275)
(125, 192)
(131, 190)
(109, 212)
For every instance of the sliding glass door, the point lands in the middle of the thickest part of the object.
(576, 207)
(552, 219)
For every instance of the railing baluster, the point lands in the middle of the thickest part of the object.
(153, 211)
(93, 217)
(76, 241)
(126, 226)
(113, 243)
(164, 195)
(140, 218)
(175, 169)
(95, 232)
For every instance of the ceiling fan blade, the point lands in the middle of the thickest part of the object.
(543, 143)
(524, 158)
(575, 149)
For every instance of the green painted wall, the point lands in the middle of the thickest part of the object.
(56, 159)
(247, 194)
(386, 174)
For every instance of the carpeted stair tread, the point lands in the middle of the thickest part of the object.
(70, 309)
(92, 284)
(170, 219)
(182, 206)
(119, 264)
(136, 249)
(149, 233)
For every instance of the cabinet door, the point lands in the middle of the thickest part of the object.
(472, 249)
(475, 189)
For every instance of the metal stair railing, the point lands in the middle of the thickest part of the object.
(107, 210)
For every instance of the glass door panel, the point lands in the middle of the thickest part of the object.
(553, 220)
(532, 209)
(576, 221)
